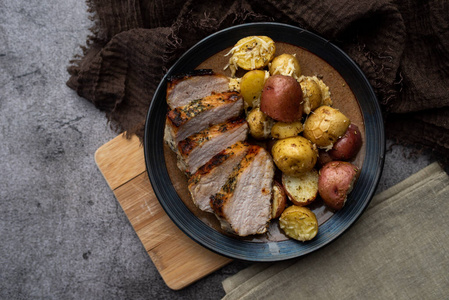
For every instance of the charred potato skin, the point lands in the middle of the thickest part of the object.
(279, 200)
(347, 147)
(335, 182)
(325, 126)
(281, 98)
(294, 155)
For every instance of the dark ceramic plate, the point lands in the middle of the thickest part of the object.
(267, 251)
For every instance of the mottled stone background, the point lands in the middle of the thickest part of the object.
(62, 233)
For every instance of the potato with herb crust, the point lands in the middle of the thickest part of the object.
(281, 98)
(259, 124)
(303, 189)
(285, 64)
(325, 126)
(282, 130)
(294, 155)
(335, 182)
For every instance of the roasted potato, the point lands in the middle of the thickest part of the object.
(303, 189)
(251, 53)
(299, 223)
(347, 147)
(285, 64)
(282, 130)
(294, 155)
(335, 182)
(279, 200)
(282, 98)
(323, 158)
(251, 86)
(311, 94)
(259, 124)
(325, 126)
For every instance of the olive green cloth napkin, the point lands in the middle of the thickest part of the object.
(398, 249)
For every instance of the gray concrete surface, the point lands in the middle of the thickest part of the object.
(62, 233)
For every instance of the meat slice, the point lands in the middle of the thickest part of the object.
(213, 175)
(182, 91)
(184, 121)
(197, 149)
(243, 204)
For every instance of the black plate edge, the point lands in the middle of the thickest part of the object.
(155, 176)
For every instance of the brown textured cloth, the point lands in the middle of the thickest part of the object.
(401, 46)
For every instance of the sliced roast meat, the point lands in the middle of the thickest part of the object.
(182, 91)
(243, 204)
(208, 180)
(197, 149)
(186, 120)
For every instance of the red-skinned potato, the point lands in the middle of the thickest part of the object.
(335, 182)
(279, 200)
(347, 147)
(282, 98)
(323, 158)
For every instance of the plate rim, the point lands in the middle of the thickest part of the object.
(264, 251)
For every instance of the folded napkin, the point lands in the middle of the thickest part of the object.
(398, 249)
(402, 46)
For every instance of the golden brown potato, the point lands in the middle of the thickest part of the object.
(285, 64)
(299, 223)
(279, 200)
(251, 86)
(259, 124)
(303, 189)
(282, 130)
(251, 53)
(335, 182)
(294, 155)
(325, 126)
(282, 98)
(311, 94)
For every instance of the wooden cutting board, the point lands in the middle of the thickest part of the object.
(179, 260)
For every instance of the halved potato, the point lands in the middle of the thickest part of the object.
(299, 223)
(303, 189)
(279, 200)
